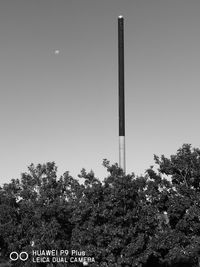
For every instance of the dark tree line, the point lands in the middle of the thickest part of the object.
(121, 221)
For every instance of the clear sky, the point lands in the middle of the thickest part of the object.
(63, 107)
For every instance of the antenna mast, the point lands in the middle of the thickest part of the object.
(122, 159)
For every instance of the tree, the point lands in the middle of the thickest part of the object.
(122, 221)
(129, 221)
(36, 211)
(179, 241)
(114, 222)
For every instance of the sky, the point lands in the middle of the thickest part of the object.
(59, 82)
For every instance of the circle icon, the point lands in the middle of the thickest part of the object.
(14, 256)
(23, 256)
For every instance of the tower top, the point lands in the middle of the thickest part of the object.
(120, 17)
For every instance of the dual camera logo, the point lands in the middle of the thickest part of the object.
(14, 256)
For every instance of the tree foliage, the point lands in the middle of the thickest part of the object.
(123, 220)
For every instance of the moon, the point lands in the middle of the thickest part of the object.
(56, 52)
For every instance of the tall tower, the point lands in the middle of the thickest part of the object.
(122, 159)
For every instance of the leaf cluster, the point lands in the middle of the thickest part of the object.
(152, 220)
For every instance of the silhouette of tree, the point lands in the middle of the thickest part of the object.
(121, 221)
